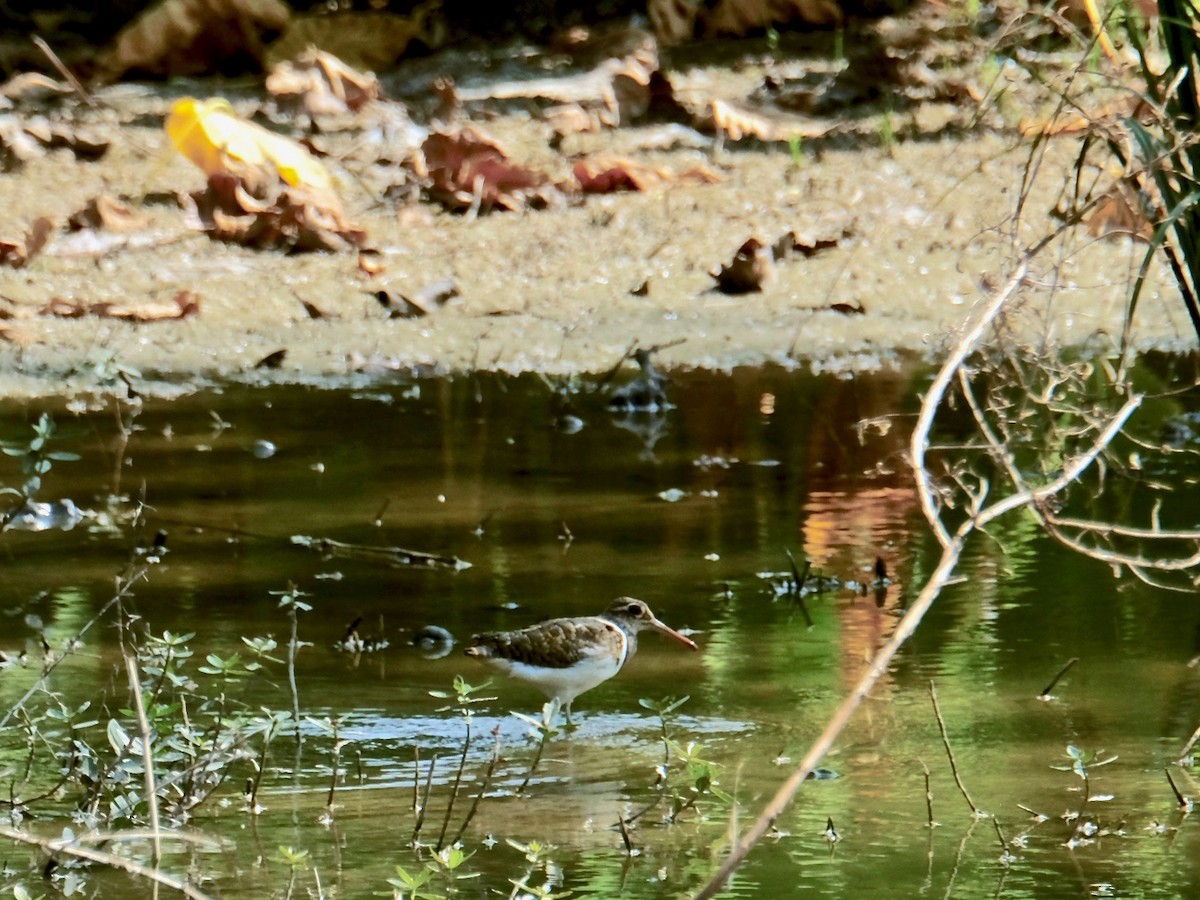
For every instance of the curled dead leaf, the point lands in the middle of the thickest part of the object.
(105, 211)
(676, 21)
(750, 269)
(737, 18)
(321, 84)
(293, 218)
(465, 169)
(272, 360)
(17, 252)
(184, 304)
(424, 302)
(606, 174)
(219, 142)
(193, 37)
(24, 139)
(1119, 214)
(809, 242)
(263, 189)
(734, 122)
(369, 40)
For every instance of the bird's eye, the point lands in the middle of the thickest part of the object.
(635, 609)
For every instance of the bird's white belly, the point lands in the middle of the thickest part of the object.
(566, 684)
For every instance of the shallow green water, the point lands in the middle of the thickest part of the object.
(559, 506)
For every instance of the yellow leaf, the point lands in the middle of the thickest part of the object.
(211, 135)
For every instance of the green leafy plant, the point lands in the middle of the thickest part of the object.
(36, 458)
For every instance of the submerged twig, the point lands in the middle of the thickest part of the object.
(798, 579)
(1185, 803)
(962, 788)
(1061, 672)
(393, 556)
(929, 822)
(424, 803)
(487, 781)
(63, 845)
(1191, 742)
(462, 764)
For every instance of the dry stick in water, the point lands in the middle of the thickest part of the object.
(54, 846)
(928, 797)
(962, 788)
(1185, 803)
(1057, 678)
(424, 805)
(1191, 742)
(135, 685)
(462, 764)
(487, 782)
(942, 575)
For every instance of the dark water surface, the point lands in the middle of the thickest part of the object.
(559, 506)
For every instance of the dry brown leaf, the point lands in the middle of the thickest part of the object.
(184, 304)
(675, 21)
(367, 40)
(24, 139)
(322, 84)
(370, 262)
(412, 305)
(737, 18)
(14, 335)
(16, 253)
(1118, 214)
(809, 243)
(193, 37)
(750, 268)
(1073, 122)
(80, 141)
(617, 91)
(104, 211)
(17, 146)
(466, 169)
(736, 122)
(33, 87)
(606, 174)
(291, 218)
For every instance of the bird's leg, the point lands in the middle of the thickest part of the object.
(571, 726)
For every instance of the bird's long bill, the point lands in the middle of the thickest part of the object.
(671, 632)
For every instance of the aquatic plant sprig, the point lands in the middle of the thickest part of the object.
(464, 701)
(36, 461)
(290, 602)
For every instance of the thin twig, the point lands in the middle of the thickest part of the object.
(1000, 835)
(61, 845)
(462, 763)
(1061, 672)
(1191, 742)
(420, 821)
(937, 711)
(135, 685)
(487, 781)
(1184, 802)
(67, 74)
(624, 833)
(928, 796)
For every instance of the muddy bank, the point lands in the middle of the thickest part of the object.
(917, 226)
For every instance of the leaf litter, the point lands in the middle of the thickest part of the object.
(265, 197)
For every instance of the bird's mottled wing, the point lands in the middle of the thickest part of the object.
(556, 644)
